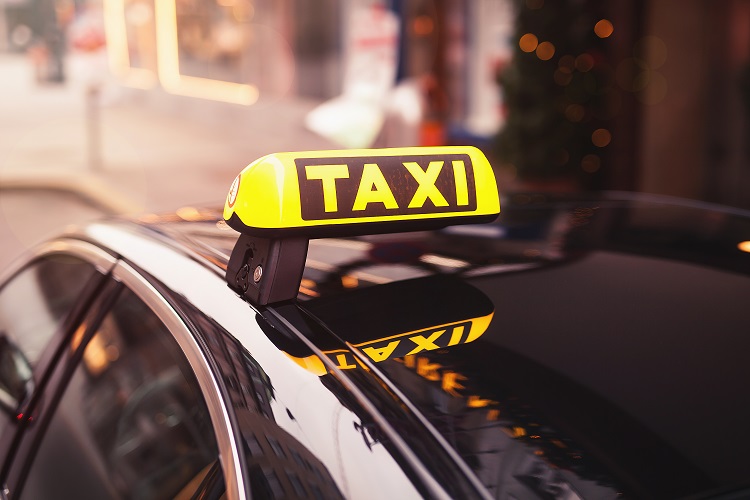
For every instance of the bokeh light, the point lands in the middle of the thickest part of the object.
(590, 163)
(423, 25)
(603, 28)
(601, 137)
(575, 113)
(584, 63)
(545, 51)
(528, 42)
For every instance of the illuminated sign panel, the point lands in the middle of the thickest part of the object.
(280, 201)
(347, 187)
(327, 193)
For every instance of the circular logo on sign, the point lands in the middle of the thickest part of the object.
(232, 196)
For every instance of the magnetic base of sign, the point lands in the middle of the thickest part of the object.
(267, 270)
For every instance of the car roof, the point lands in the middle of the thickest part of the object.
(617, 325)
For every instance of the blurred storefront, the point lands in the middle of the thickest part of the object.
(455, 50)
(646, 95)
(226, 50)
(38, 27)
(242, 51)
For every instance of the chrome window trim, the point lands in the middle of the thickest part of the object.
(228, 451)
(435, 488)
(447, 448)
(101, 260)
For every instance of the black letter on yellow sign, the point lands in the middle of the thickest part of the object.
(328, 175)
(359, 187)
(426, 180)
(372, 177)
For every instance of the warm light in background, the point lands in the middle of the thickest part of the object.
(603, 28)
(528, 42)
(439, 260)
(99, 354)
(349, 281)
(744, 246)
(575, 112)
(168, 58)
(188, 213)
(601, 137)
(423, 25)
(584, 63)
(590, 163)
(115, 30)
(307, 287)
(545, 51)
(168, 63)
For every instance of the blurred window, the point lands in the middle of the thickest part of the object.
(33, 306)
(132, 422)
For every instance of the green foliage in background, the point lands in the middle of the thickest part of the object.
(555, 105)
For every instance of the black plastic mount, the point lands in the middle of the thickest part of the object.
(267, 270)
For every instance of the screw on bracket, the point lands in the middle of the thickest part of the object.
(242, 278)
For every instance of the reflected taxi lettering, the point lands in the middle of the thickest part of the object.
(379, 186)
(406, 344)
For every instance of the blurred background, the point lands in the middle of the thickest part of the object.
(132, 106)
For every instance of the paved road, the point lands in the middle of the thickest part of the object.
(138, 152)
(21, 227)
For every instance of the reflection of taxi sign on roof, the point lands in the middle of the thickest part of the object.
(362, 191)
(399, 346)
(280, 200)
(414, 317)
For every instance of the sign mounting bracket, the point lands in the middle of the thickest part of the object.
(267, 270)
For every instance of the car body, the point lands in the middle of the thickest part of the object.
(576, 347)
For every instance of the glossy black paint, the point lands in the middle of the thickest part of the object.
(614, 365)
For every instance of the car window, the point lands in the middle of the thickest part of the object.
(33, 305)
(131, 422)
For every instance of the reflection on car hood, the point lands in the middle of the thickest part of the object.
(614, 360)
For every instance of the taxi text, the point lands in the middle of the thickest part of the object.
(370, 187)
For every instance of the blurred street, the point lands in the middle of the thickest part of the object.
(61, 165)
(98, 118)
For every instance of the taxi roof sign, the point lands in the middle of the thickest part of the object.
(362, 191)
(281, 200)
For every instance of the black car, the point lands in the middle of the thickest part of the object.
(575, 347)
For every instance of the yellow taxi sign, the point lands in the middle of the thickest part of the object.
(322, 193)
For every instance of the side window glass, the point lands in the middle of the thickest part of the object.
(33, 305)
(132, 422)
